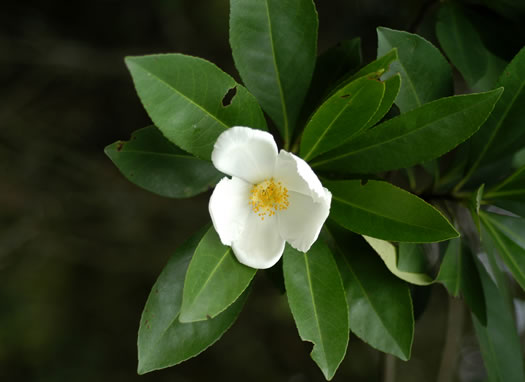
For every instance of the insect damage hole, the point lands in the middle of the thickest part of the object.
(228, 97)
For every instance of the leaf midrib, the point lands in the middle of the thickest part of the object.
(314, 305)
(182, 95)
(212, 273)
(277, 74)
(332, 122)
(369, 301)
(417, 130)
(489, 223)
(334, 197)
(491, 137)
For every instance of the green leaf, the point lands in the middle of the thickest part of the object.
(274, 46)
(381, 210)
(392, 86)
(450, 270)
(342, 116)
(425, 74)
(512, 188)
(331, 67)
(475, 204)
(380, 65)
(498, 340)
(388, 254)
(380, 306)
(317, 300)
(502, 134)
(164, 341)
(516, 207)
(465, 49)
(152, 162)
(458, 273)
(508, 235)
(411, 257)
(413, 137)
(214, 280)
(188, 99)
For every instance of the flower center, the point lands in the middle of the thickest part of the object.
(268, 197)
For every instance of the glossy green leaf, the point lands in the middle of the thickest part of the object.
(413, 137)
(512, 188)
(388, 253)
(384, 211)
(214, 280)
(451, 265)
(164, 341)
(499, 340)
(274, 46)
(425, 74)
(330, 67)
(465, 49)
(508, 236)
(342, 116)
(152, 162)
(392, 86)
(189, 100)
(380, 306)
(459, 274)
(317, 300)
(380, 65)
(502, 134)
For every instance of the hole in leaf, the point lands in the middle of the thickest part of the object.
(120, 146)
(228, 97)
(364, 182)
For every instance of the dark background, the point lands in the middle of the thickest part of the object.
(80, 247)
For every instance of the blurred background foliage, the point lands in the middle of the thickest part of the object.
(80, 247)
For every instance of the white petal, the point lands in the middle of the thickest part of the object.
(296, 175)
(259, 245)
(246, 153)
(229, 208)
(302, 221)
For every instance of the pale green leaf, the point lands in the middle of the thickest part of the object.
(388, 254)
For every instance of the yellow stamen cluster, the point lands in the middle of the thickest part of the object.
(268, 197)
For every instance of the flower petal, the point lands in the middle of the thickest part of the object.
(229, 208)
(246, 153)
(296, 175)
(302, 221)
(259, 245)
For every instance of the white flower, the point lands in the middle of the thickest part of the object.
(271, 198)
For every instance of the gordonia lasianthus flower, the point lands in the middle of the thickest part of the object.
(272, 198)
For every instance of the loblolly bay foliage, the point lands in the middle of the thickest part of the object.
(407, 162)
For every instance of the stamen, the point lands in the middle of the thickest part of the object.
(268, 197)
